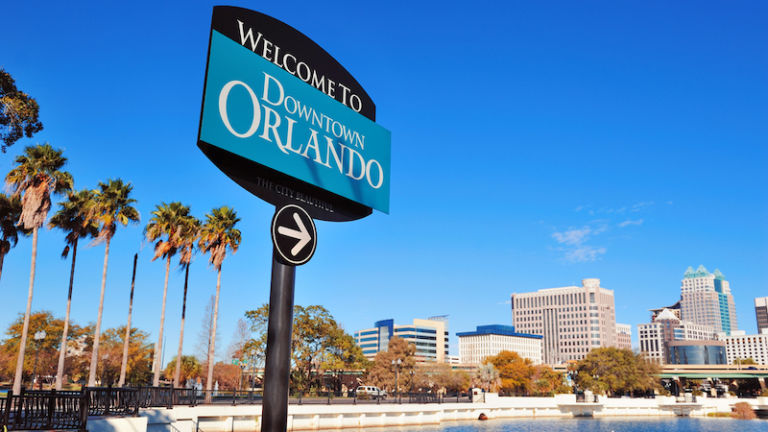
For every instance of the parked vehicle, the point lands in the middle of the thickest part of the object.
(373, 392)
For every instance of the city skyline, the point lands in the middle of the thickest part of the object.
(628, 160)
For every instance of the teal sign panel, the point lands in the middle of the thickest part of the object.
(261, 112)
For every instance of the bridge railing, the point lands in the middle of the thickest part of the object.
(44, 410)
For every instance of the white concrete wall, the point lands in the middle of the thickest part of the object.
(227, 418)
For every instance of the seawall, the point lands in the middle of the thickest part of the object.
(226, 418)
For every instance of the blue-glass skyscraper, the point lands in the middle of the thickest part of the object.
(706, 299)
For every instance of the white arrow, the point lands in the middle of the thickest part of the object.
(302, 235)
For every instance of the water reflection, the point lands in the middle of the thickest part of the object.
(627, 424)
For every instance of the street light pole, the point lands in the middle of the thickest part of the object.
(397, 364)
(38, 337)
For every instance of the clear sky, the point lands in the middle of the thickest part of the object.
(533, 144)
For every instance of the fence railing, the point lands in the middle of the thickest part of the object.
(45, 410)
(54, 410)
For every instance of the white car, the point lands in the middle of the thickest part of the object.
(370, 391)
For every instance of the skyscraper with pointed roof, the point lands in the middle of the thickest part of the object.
(706, 299)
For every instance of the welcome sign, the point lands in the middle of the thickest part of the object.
(286, 121)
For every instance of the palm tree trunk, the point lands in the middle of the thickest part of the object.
(2, 260)
(97, 333)
(25, 328)
(212, 346)
(63, 347)
(159, 346)
(177, 374)
(127, 338)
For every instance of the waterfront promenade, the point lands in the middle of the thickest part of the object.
(216, 418)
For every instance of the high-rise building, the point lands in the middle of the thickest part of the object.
(572, 320)
(761, 313)
(623, 336)
(489, 340)
(430, 336)
(667, 327)
(707, 300)
(741, 346)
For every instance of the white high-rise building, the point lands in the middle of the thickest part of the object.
(741, 346)
(706, 299)
(489, 340)
(572, 320)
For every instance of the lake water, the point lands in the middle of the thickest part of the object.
(643, 424)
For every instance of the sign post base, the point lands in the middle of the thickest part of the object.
(277, 368)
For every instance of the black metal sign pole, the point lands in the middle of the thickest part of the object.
(277, 369)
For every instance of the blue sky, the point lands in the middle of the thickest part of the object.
(533, 144)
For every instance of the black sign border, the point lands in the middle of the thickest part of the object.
(242, 170)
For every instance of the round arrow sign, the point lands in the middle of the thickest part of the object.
(294, 234)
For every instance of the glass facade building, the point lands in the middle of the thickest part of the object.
(429, 336)
(696, 352)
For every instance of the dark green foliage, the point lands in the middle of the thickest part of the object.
(18, 112)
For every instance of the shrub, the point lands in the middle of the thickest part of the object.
(744, 411)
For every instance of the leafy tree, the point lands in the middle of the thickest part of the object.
(318, 344)
(112, 206)
(188, 234)
(342, 353)
(615, 371)
(18, 112)
(189, 368)
(35, 177)
(515, 372)
(440, 377)
(546, 382)
(10, 211)
(382, 372)
(227, 375)
(111, 353)
(74, 219)
(745, 361)
(44, 349)
(165, 228)
(216, 236)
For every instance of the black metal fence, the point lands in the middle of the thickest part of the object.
(56, 410)
(45, 410)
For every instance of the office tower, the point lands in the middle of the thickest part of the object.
(707, 300)
(430, 336)
(489, 340)
(572, 320)
(624, 336)
(761, 313)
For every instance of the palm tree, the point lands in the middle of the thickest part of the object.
(165, 228)
(10, 211)
(74, 219)
(188, 236)
(112, 206)
(217, 234)
(35, 177)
